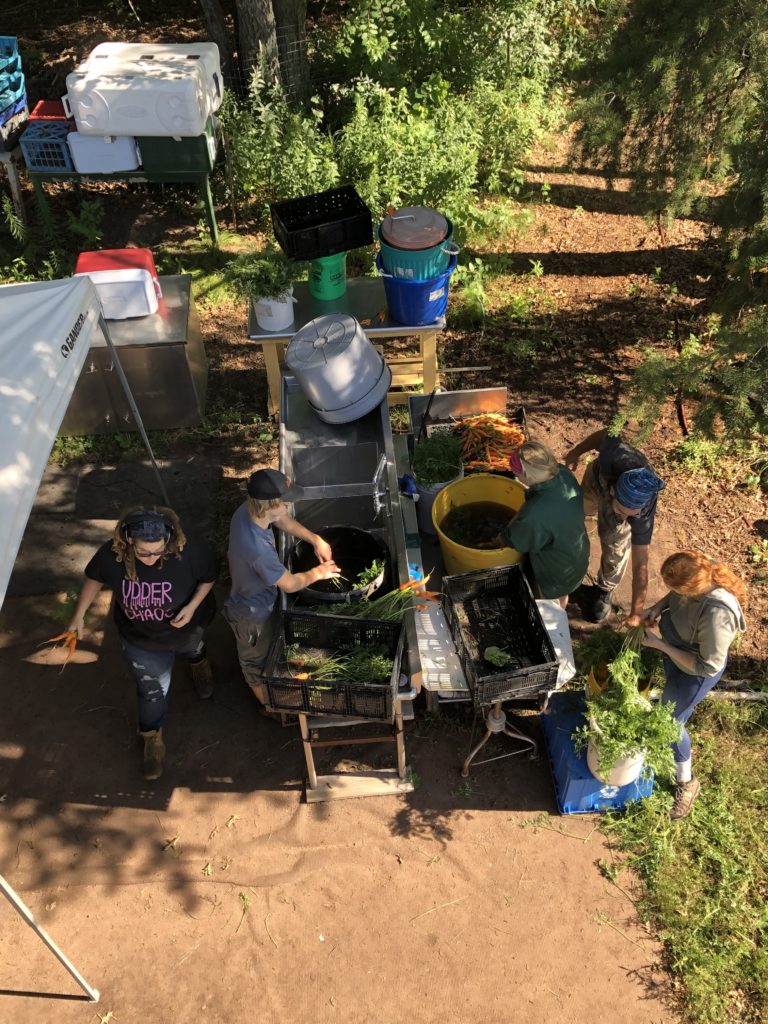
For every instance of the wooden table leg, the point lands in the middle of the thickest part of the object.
(272, 364)
(428, 345)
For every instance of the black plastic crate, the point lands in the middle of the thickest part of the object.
(322, 224)
(334, 634)
(495, 607)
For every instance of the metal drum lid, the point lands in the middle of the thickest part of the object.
(414, 227)
(339, 370)
(322, 339)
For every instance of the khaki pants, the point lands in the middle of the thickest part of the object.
(253, 640)
(615, 534)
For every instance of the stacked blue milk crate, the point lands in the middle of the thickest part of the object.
(14, 112)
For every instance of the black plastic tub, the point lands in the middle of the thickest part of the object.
(354, 550)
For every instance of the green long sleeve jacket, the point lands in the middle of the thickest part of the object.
(549, 528)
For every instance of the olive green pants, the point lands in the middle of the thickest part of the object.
(615, 534)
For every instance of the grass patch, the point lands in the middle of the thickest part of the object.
(230, 423)
(705, 879)
(212, 285)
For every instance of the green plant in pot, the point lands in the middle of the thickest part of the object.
(267, 278)
(625, 733)
(437, 459)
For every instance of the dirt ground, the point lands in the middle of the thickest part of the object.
(217, 894)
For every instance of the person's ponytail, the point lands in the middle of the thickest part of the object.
(726, 578)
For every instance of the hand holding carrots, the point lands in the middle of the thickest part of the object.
(67, 639)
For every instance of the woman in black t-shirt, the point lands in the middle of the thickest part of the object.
(162, 585)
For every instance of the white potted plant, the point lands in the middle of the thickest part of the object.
(435, 463)
(267, 278)
(625, 733)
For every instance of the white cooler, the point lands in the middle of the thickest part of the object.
(125, 279)
(172, 98)
(145, 56)
(99, 155)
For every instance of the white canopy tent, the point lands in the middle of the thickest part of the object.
(46, 331)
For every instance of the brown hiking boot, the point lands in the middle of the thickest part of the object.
(202, 678)
(685, 794)
(154, 752)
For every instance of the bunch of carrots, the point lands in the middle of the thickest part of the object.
(488, 440)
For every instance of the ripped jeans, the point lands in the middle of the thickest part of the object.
(152, 672)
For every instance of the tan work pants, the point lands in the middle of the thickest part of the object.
(615, 534)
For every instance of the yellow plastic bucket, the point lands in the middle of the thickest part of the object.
(471, 490)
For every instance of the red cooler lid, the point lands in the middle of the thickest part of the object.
(414, 227)
(116, 259)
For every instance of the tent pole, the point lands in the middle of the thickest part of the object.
(132, 404)
(17, 904)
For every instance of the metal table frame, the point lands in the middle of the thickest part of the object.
(199, 178)
(365, 300)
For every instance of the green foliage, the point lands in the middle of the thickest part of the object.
(677, 93)
(86, 224)
(263, 275)
(16, 225)
(497, 656)
(272, 151)
(436, 459)
(705, 878)
(400, 152)
(370, 664)
(623, 723)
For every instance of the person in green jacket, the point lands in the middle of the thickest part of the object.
(549, 527)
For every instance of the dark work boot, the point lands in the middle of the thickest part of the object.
(154, 753)
(202, 677)
(601, 608)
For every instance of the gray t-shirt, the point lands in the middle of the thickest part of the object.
(254, 566)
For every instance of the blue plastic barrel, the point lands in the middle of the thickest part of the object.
(416, 302)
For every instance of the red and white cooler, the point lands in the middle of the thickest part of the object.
(125, 279)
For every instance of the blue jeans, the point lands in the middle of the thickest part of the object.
(685, 692)
(152, 672)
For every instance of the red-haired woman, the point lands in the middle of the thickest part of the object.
(698, 620)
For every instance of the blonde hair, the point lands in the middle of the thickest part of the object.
(538, 462)
(690, 574)
(123, 550)
(258, 507)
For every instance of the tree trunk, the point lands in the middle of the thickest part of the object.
(217, 33)
(291, 18)
(256, 37)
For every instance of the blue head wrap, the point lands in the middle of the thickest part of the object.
(636, 487)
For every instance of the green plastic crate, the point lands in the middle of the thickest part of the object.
(162, 154)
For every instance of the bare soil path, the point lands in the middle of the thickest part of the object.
(216, 894)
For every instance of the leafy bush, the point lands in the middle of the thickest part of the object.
(398, 153)
(272, 151)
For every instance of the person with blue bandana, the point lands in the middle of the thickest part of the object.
(621, 488)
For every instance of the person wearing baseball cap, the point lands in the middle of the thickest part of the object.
(621, 488)
(257, 572)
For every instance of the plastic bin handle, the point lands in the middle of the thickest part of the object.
(383, 273)
(452, 249)
(66, 105)
(403, 216)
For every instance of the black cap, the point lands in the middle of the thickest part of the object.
(268, 484)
